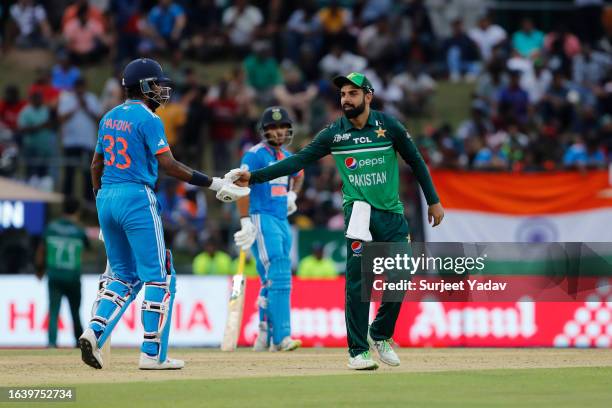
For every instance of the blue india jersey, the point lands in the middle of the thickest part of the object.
(269, 197)
(130, 136)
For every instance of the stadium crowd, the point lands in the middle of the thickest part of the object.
(541, 99)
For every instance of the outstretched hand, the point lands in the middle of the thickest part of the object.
(239, 176)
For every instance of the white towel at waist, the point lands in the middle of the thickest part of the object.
(359, 224)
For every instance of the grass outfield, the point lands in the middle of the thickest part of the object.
(317, 377)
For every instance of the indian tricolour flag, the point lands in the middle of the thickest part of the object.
(532, 207)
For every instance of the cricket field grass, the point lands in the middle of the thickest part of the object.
(318, 378)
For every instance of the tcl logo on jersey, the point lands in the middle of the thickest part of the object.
(357, 247)
(351, 163)
(362, 139)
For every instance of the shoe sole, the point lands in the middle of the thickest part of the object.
(168, 368)
(368, 368)
(87, 354)
(387, 363)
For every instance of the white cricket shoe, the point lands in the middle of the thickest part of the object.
(150, 363)
(287, 344)
(384, 350)
(362, 361)
(90, 353)
(261, 342)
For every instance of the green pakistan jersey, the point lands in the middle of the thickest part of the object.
(64, 242)
(366, 159)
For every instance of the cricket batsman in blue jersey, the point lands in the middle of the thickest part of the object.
(265, 230)
(131, 146)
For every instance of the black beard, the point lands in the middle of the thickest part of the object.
(354, 112)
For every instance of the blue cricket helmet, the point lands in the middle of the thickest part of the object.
(143, 69)
(276, 115)
(143, 73)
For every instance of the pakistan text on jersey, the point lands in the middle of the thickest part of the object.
(118, 124)
(370, 179)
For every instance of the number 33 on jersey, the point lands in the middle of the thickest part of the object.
(130, 136)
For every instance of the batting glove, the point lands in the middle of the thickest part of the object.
(228, 191)
(233, 174)
(291, 205)
(246, 236)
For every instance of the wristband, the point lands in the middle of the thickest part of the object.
(199, 179)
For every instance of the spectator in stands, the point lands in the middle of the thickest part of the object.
(590, 67)
(378, 43)
(487, 36)
(30, 20)
(422, 37)
(78, 112)
(204, 22)
(514, 145)
(556, 105)
(85, 36)
(112, 92)
(224, 110)
(491, 82)
(462, 54)
(561, 46)
(10, 106)
(373, 9)
(389, 96)
(125, 16)
(37, 140)
(296, 95)
(491, 156)
(244, 94)
(340, 60)
(335, 22)
(262, 71)
(303, 29)
(528, 41)
(316, 266)
(165, 25)
(450, 148)
(42, 84)
(537, 84)
(584, 154)
(241, 22)
(212, 261)
(513, 101)
(479, 126)
(64, 74)
(417, 89)
(92, 12)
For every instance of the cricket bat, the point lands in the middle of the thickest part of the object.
(235, 308)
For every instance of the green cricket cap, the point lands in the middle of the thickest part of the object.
(354, 78)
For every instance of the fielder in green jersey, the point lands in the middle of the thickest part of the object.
(364, 143)
(59, 255)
